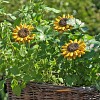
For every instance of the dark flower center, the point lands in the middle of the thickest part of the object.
(72, 47)
(23, 32)
(62, 22)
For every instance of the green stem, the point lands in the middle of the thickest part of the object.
(73, 63)
(10, 41)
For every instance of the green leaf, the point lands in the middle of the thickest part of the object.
(61, 80)
(52, 9)
(0, 43)
(17, 21)
(8, 52)
(11, 16)
(1, 84)
(23, 51)
(42, 29)
(17, 90)
(16, 87)
(69, 80)
(14, 82)
(96, 43)
(98, 85)
(89, 55)
(27, 78)
(36, 46)
(84, 29)
(14, 70)
(97, 37)
(76, 26)
(86, 36)
(5, 1)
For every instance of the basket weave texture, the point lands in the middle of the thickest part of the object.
(36, 91)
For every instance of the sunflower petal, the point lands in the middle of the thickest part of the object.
(71, 41)
(79, 55)
(79, 41)
(30, 27)
(21, 26)
(68, 54)
(75, 53)
(64, 52)
(64, 16)
(28, 41)
(64, 47)
(17, 27)
(18, 39)
(25, 39)
(63, 28)
(75, 41)
(21, 39)
(57, 19)
(71, 54)
(83, 53)
(67, 26)
(24, 24)
(15, 30)
(15, 36)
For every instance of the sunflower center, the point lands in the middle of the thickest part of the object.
(62, 22)
(72, 47)
(23, 32)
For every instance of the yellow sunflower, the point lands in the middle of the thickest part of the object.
(73, 49)
(60, 23)
(22, 33)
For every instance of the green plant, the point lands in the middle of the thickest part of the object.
(30, 49)
(87, 10)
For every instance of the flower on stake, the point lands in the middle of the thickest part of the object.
(61, 25)
(73, 49)
(22, 33)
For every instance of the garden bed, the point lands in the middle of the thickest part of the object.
(38, 91)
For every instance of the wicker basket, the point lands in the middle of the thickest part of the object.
(36, 91)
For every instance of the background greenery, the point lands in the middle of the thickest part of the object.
(87, 10)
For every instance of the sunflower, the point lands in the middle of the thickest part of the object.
(61, 25)
(22, 33)
(73, 49)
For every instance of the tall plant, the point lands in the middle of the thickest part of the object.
(36, 49)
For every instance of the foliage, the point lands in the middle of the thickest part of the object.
(86, 10)
(41, 59)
